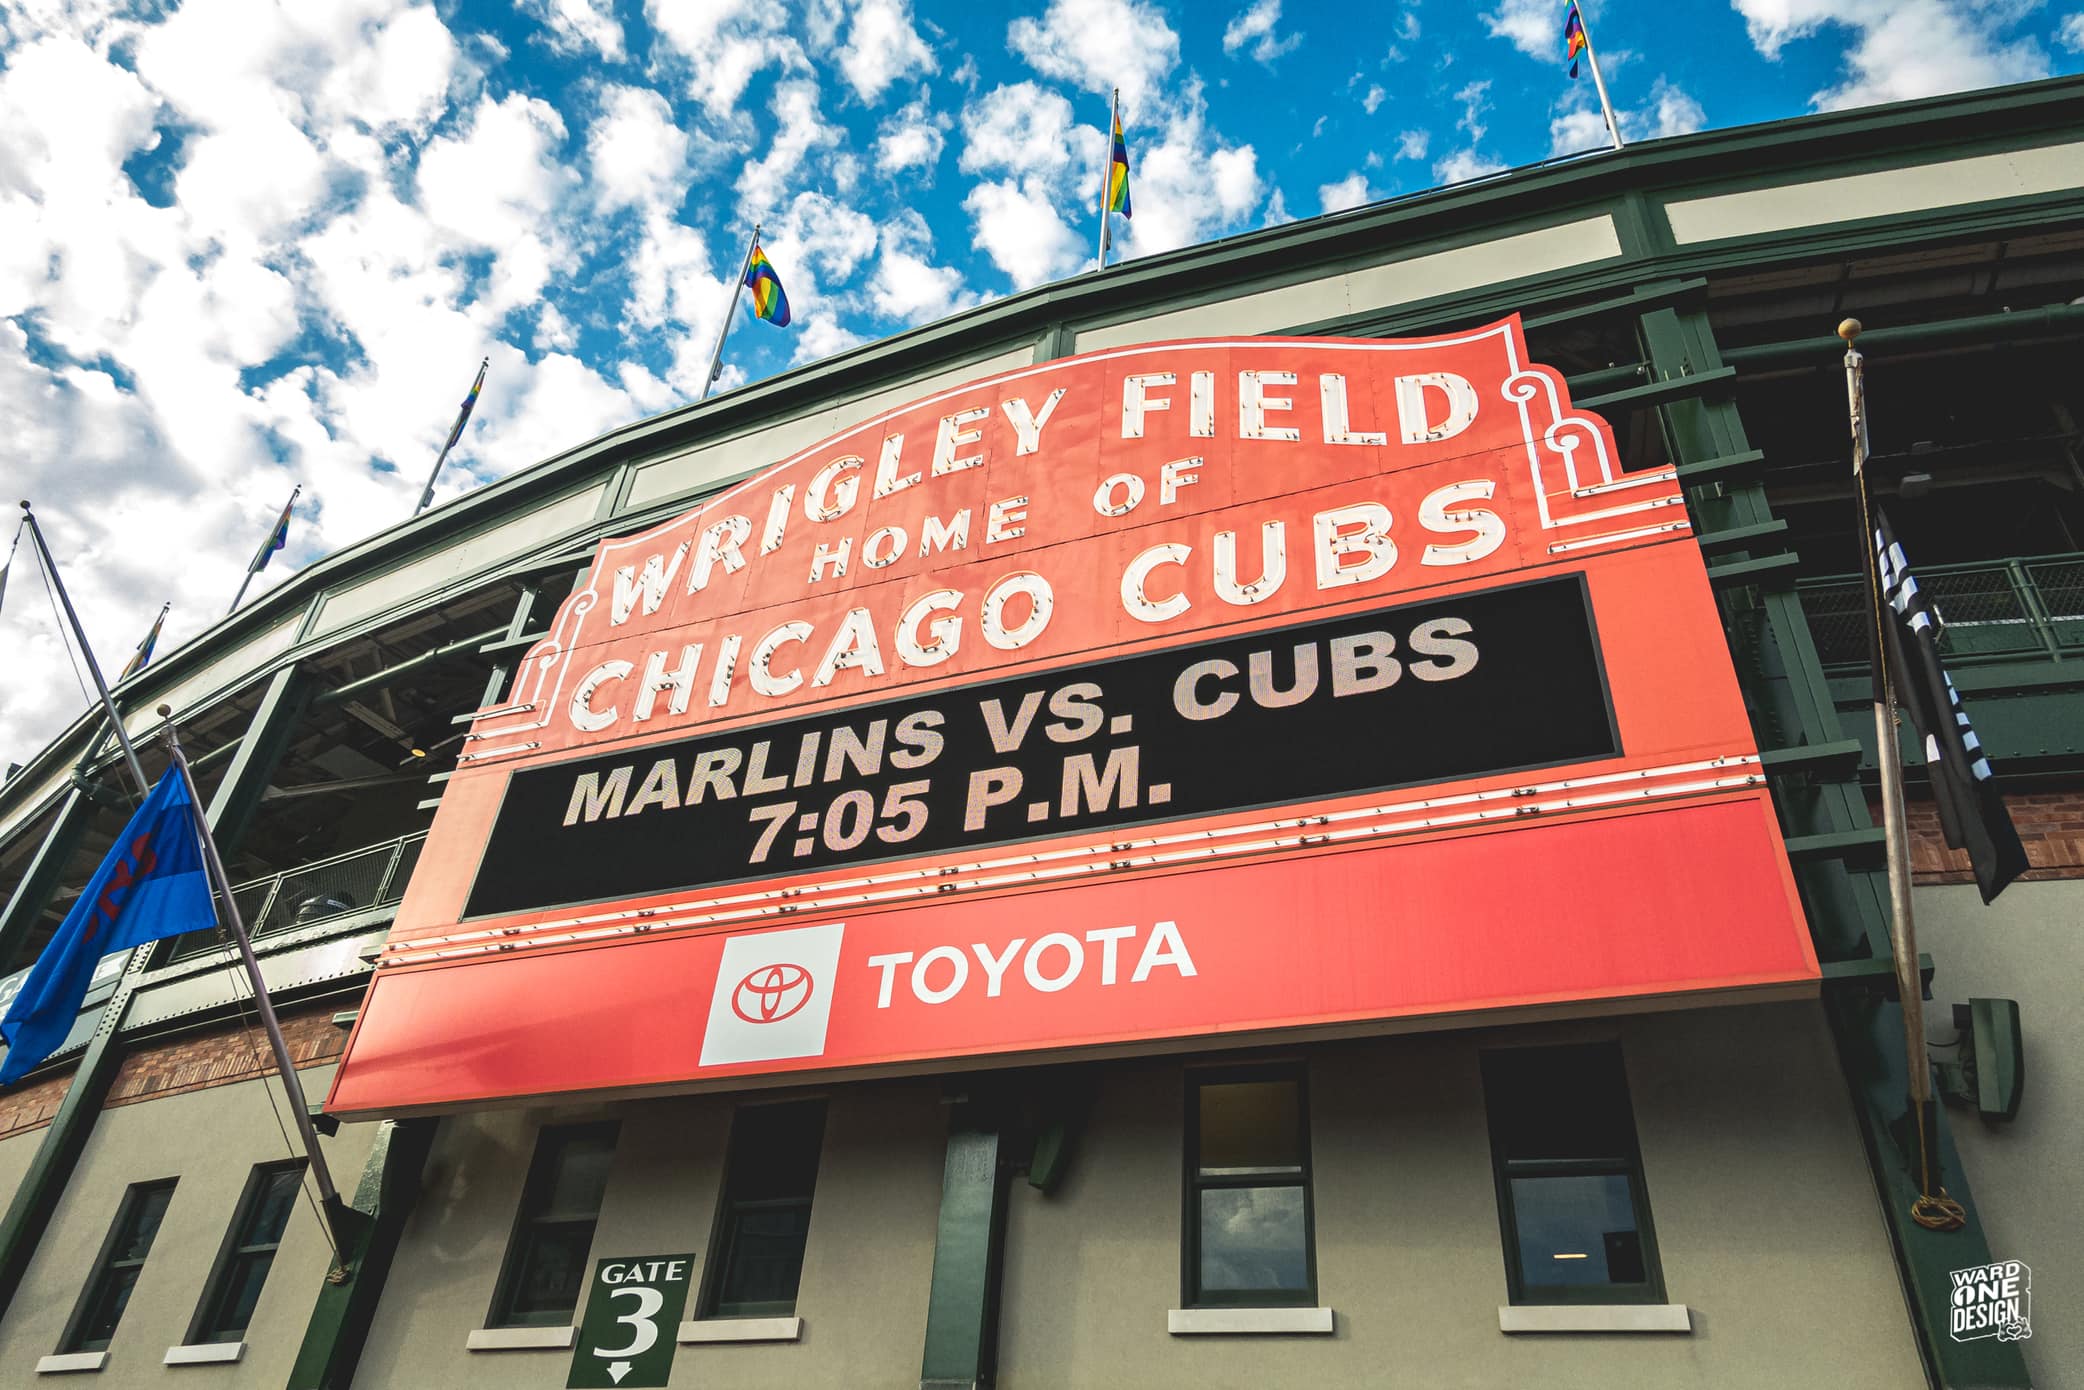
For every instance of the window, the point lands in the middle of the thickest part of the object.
(1571, 1201)
(1248, 1217)
(115, 1273)
(249, 1250)
(756, 1254)
(546, 1259)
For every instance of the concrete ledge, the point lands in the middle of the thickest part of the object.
(1595, 1317)
(1197, 1322)
(72, 1361)
(742, 1330)
(519, 1338)
(205, 1353)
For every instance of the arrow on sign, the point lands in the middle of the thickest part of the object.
(617, 1370)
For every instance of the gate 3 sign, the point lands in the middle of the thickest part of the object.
(627, 1337)
(1212, 688)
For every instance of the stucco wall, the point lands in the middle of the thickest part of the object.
(209, 1140)
(1764, 1214)
(867, 1264)
(2027, 946)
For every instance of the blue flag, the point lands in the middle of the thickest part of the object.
(152, 885)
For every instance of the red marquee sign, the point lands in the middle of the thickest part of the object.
(1211, 689)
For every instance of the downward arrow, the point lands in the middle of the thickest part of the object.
(617, 1370)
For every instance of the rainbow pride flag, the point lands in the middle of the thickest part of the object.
(1574, 40)
(769, 300)
(1118, 172)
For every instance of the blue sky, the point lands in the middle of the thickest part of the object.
(249, 245)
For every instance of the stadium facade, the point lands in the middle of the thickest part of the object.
(1296, 812)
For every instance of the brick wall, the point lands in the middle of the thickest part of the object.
(217, 1057)
(2050, 826)
(33, 1105)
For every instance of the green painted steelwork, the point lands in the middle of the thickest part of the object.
(374, 1225)
(962, 1307)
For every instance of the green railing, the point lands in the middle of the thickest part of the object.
(373, 876)
(1996, 610)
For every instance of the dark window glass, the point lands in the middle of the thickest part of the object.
(115, 1275)
(1570, 1187)
(249, 1250)
(764, 1220)
(1248, 1186)
(546, 1260)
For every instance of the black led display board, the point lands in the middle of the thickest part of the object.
(1433, 691)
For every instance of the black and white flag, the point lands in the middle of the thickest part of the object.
(1971, 813)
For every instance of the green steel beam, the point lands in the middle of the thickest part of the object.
(245, 782)
(962, 1307)
(1791, 703)
(340, 1319)
(44, 1185)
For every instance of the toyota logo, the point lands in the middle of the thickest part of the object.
(771, 993)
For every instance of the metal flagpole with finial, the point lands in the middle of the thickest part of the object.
(716, 359)
(1114, 121)
(101, 687)
(1933, 1208)
(228, 913)
(455, 433)
(276, 535)
(1606, 105)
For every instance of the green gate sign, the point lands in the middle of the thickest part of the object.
(632, 1313)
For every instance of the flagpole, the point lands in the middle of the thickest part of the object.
(455, 433)
(329, 1196)
(1107, 179)
(1937, 1212)
(50, 568)
(716, 359)
(1613, 127)
(267, 546)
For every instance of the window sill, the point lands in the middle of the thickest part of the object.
(1595, 1317)
(205, 1353)
(1197, 1322)
(520, 1338)
(72, 1361)
(742, 1330)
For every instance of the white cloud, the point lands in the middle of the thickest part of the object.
(1018, 226)
(494, 183)
(1461, 165)
(723, 44)
(1372, 102)
(1254, 27)
(821, 336)
(637, 154)
(1407, 26)
(2070, 32)
(883, 46)
(907, 285)
(1535, 27)
(1901, 49)
(912, 137)
(1021, 127)
(1412, 144)
(1476, 100)
(1349, 192)
(579, 25)
(1100, 45)
(1277, 210)
(802, 129)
